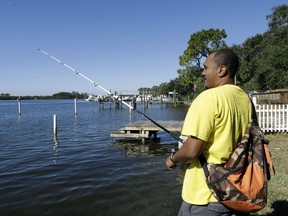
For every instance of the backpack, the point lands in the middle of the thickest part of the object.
(241, 183)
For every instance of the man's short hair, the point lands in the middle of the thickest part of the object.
(228, 58)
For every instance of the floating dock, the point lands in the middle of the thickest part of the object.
(146, 129)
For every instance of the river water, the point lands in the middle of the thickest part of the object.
(84, 172)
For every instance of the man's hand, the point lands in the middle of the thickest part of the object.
(169, 164)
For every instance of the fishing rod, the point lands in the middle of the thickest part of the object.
(112, 95)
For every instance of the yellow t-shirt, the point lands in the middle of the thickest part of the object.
(218, 116)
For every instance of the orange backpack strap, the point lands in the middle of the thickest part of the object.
(271, 169)
(268, 159)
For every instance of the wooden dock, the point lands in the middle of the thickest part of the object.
(146, 129)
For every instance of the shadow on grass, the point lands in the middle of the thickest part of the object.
(280, 207)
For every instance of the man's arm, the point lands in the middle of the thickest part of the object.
(190, 150)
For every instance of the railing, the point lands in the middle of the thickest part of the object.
(273, 118)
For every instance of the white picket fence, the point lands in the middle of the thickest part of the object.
(273, 118)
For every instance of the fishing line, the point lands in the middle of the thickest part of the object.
(112, 95)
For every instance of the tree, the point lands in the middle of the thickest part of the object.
(163, 88)
(272, 71)
(264, 58)
(155, 90)
(249, 54)
(185, 79)
(190, 81)
(279, 17)
(200, 45)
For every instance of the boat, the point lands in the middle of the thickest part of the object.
(91, 98)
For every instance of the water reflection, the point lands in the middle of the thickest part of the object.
(20, 122)
(135, 148)
(75, 122)
(55, 148)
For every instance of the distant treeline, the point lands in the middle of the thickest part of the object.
(60, 95)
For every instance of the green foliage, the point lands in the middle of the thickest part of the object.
(264, 58)
(249, 53)
(272, 69)
(200, 45)
(190, 81)
(279, 17)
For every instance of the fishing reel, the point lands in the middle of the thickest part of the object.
(174, 149)
(181, 140)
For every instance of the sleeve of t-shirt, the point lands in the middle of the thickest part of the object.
(200, 119)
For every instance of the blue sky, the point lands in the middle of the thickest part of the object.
(120, 44)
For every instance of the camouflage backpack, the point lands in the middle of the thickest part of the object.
(241, 183)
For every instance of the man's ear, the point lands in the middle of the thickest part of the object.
(222, 71)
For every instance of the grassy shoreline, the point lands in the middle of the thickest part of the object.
(277, 186)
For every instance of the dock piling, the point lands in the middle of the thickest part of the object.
(19, 106)
(55, 125)
(75, 106)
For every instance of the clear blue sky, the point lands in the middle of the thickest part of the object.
(120, 44)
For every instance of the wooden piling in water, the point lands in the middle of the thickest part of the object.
(19, 106)
(75, 106)
(55, 125)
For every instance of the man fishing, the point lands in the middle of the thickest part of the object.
(214, 124)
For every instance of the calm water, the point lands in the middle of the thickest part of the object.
(84, 172)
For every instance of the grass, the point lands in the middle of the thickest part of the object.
(278, 185)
